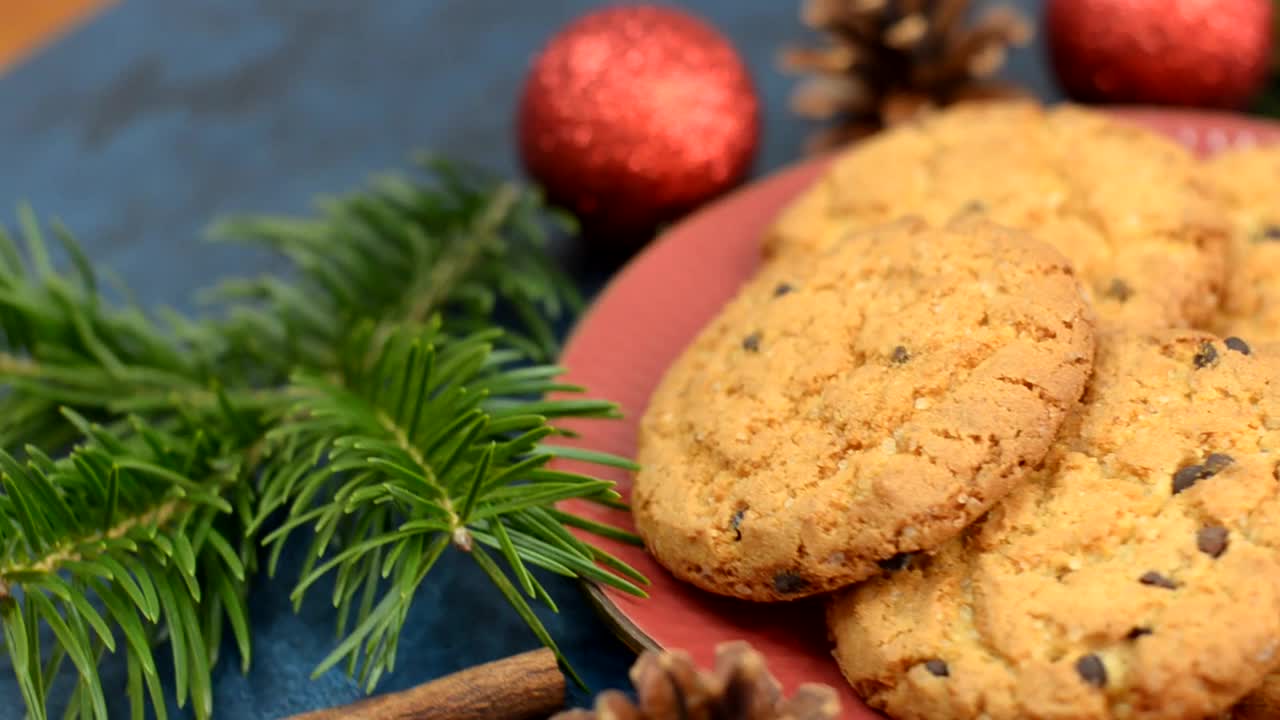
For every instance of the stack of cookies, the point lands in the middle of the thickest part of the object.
(1002, 393)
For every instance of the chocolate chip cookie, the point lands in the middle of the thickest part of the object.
(1248, 184)
(873, 402)
(1134, 575)
(1129, 208)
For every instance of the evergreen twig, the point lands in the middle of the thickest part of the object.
(367, 401)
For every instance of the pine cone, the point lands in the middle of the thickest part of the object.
(669, 686)
(887, 61)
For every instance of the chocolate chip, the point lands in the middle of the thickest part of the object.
(735, 524)
(1191, 474)
(1138, 632)
(1212, 540)
(1207, 355)
(1092, 670)
(937, 668)
(1270, 232)
(1216, 463)
(1235, 343)
(789, 582)
(898, 562)
(1119, 289)
(974, 206)
(899, 355)
(1187, 476)
(1155, 579)
(751, 343)
(783, 289)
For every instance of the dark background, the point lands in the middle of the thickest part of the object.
(156, 117)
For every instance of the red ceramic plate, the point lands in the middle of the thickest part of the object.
(638, 326)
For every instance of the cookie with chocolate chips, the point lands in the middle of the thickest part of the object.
(1128, 207)
(1247, 182)
(1135, 575)
(903, 383)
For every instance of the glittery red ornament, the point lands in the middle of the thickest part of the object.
(1205, 53)
(633, 115)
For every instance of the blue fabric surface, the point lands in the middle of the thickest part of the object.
(144, 125)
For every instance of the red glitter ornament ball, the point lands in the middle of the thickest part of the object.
(1203, 53)
(634, 115)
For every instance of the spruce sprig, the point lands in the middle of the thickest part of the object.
(397, 487)
(367, 402)
(62, 344)
(402, 251)
(126, 535)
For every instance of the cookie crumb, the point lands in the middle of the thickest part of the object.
(1092, 670)
(1155, 579)
(937, 668)
(1235, 343)
(1212, 540)
(751, 343)
(1207, 355)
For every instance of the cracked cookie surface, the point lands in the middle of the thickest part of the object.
(1135, 575)
(1129, 208)
(1247, 182)
(873, 402)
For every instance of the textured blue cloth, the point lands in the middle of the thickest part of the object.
(156, 117)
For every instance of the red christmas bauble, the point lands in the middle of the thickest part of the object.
(635, 114)
(1204, 53)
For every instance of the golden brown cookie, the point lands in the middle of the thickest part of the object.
(1248, 184)
(1245, 181)
(1126, 206)
(1135, 575)
(867, 404)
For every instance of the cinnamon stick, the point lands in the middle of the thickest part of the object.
(524, 687)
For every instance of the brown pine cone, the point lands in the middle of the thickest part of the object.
(669, 686)
(884, 62)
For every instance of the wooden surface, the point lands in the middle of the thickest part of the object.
(26, 25)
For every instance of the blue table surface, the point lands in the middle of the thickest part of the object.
(156, 117)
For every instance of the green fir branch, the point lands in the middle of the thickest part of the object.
(365, 403)
(402, 251)
(415, 453)
(114, 546)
